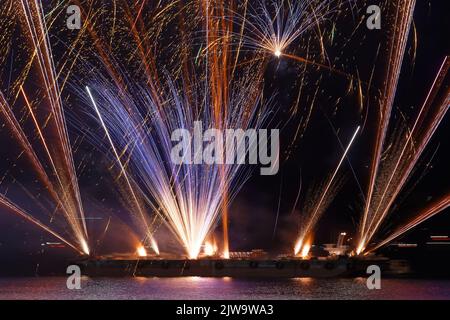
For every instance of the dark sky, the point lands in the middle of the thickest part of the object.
(318, 152)
(253, 213)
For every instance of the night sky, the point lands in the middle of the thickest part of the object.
(253, 214)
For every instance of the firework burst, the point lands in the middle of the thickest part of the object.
(275, 26)
(318, 203)
(55, 169)
(390, 170)
(188, 196)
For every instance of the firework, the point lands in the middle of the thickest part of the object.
(140, 91)
(273, 28)
(188, 197)
(430, 211)
(61, 183)
(319, 205)
(124, 174)
(403, 14)
(403, 157)
(388, 177)
(141, 252)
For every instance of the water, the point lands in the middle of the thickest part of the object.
(221, 288)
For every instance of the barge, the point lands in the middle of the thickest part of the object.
(235, 268)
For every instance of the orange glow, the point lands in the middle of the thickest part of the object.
(302, 247)
(209, 249)
(305, 250)
(361, 247)
(154, 245)
(85, 246)
(298, 246)
(141, 252)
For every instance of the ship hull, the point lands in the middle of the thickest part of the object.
(221, 268)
